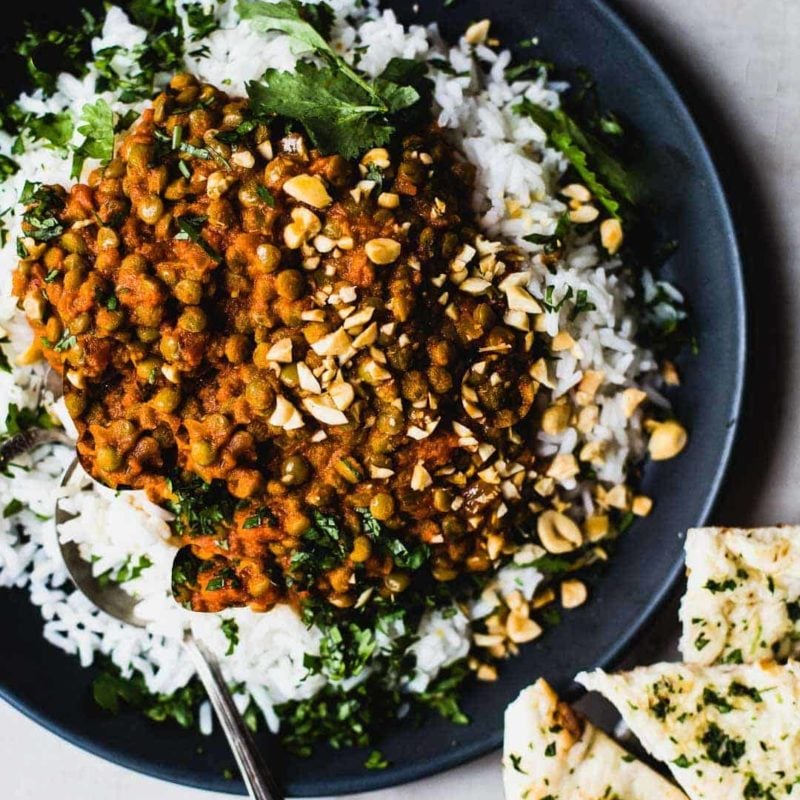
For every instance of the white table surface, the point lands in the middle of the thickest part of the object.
(744, 56)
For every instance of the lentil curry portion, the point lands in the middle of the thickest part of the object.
(318, 364)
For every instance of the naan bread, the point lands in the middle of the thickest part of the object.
(741, 603)
(726, 732)
(550, 753)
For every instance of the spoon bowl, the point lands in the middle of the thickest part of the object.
(119, 604)
(107, 596)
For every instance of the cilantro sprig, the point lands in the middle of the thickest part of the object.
(97, 124)
(342, 110)
(605, 177)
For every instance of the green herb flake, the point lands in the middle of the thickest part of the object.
(266, 195)
(66, 342)
(230, 629)
(716, 586)
(13, 507)
(721, 748)
(516, 763)
(341, 110)
(376, 760)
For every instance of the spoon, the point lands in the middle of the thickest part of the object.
(114, 601)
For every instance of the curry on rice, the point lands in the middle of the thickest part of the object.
(327, 348)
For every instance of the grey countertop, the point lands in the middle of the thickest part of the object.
(739, 64)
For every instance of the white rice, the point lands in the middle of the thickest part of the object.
(115, 530)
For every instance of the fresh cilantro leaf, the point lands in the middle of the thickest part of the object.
(8, 167)
(262, 516)
(338, 116)
(97, 126)
(21, 419)
(376, 760)
(552, 565)
(516, 762)
(287, 17)
(66, 342)
(734, 657)
(54, 128)
(534, 65)
(111, 690)
(230, 628)
(721, 748)
(5, 365)
(266, 195)
(714, 587)
(41, 215)
(582, 304)
(190, 228)
(342, 111)
(13, 507)
(611, 125)
(603, 174)
(199, 21)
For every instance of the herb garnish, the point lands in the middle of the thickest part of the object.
(376, 760)
(603, 174)
(721, 748)
(200, 508)
(322, 547)
(97, 126)
(341, 109)
(13, 507)
(191, 230)
(230, 628)
(266, 195)
(110, 690)
(41, 221)
(725, 586)
(406, 557)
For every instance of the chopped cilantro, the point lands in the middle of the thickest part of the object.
(266, 195)
(200, 508)
(702, 641)
(263, 515)
(66, 342)
(191, 230)
(711, 698)
(734, 657)
(737, 689)
(97, 126)
(516, 762)
(13, 507)
(230, 628)
(376, 760)
(199, 21)
(721, 748)
(603, 175)
(725, 586)
(110, 690)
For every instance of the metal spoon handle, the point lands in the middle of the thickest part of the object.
(26, 440)
(260, 782)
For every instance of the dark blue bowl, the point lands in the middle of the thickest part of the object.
(51, 688)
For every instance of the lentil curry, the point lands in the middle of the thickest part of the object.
(318, 364)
